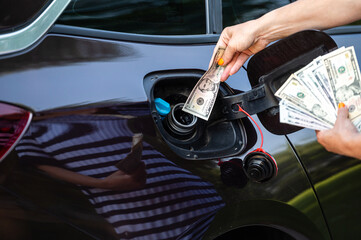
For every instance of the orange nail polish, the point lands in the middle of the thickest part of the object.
(220, 62)
(341, 105)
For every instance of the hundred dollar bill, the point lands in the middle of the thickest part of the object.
(344, 77)
(293, 91)
(201, 100)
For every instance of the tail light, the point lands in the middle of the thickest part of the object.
(13, 123)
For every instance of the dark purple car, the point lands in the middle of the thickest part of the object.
(94, 144)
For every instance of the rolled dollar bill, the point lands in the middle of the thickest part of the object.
(201, 100)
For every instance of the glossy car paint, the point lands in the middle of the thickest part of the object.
(64, 73)
(335, 178)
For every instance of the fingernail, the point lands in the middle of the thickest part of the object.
(230, 74)
(220, 62)
(341, 105)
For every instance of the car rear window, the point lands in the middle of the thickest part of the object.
(19, 13)
(156, 17)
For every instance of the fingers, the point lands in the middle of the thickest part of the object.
(227, 70)
(321, 135)
(235, 44)
(241, 59)
(222, 43)
(237, 62)
(228, 54)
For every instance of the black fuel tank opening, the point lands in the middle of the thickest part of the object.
(190, 137)
(180, 124)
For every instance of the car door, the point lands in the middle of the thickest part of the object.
(334, 172)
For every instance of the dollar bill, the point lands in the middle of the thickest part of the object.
(344, 77)
(201, 100)
(318, 72)
(310, 96)
(291, 114)
(315, 85)
(296, 93)
(357, 123)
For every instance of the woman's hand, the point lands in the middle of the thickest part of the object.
(343, 138)
(240, 41)
(121, 181)
(245, 39)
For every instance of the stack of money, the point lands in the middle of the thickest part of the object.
(310, 96)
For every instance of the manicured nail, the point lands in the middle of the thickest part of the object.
(220, 62)
(341, 105)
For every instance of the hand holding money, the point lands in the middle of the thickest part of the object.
(201, 100)
(311, 95)
(343, 137)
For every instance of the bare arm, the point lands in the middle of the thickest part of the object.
(308, 14)
(72, 177)
(115, 181)
(245, 39)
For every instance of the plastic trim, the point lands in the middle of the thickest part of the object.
(25, 37)
(344, 30)
(132, 37)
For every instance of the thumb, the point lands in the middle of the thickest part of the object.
(342, 112)
(342, 115)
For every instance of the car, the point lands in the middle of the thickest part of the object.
(94, 144)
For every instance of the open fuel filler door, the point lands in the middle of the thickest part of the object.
(269, 69)
(228, 132)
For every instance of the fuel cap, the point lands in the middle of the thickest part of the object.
(259, 166)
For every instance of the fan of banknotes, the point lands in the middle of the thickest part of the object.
(310, 96)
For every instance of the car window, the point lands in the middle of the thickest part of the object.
(12, 19)
(24, 22)
(237, 11)
(158, 17)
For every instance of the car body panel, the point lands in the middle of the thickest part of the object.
(335, 177)
(96, 73)
(104, 70)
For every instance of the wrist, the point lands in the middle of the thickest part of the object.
(351, 142)
(102, 183)
(272, 27)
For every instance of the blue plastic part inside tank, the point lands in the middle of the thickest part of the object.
(162, 107)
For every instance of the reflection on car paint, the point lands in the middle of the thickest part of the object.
(173, 204)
